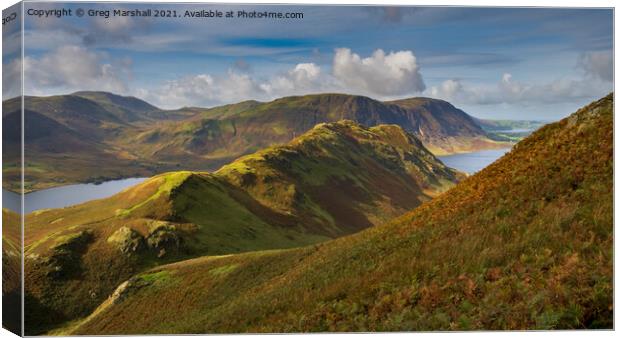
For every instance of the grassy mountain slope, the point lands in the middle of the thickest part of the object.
(443, 128)
(127, 107)
(11, 271)
(234, 130)
(336, 179)
(100, 136)
(72, 111)
(337, 166)
(527, 243)
(69, 138)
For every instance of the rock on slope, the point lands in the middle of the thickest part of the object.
(527, 243)
(336, 179)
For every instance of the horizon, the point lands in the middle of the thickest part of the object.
(271, 100)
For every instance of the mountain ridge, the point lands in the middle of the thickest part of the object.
(134, 138)
(527, 243)
(332, 181)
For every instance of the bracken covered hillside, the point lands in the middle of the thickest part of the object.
(337, 179)
(99, 136)
(524, 244)
(11, 271)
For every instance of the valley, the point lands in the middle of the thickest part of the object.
(92, 137)
(307, 168)
(334, 180)
(341, 198)
(526, 243)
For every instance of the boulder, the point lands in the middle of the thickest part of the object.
(163, 237)
(127, 240)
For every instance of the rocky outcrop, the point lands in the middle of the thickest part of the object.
(163, 238)
(66, 253)
(127, 240)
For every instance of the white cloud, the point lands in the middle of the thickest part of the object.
(305, 73)
(448, 89)
(510, 91)
(303, 78)
(234, 86)
(381, 76)
(597, 64)
(204, 89)
(11, 79)
(396, 73)
(72, 68)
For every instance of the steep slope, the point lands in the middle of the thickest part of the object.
(443, 128)
(72, 111)
(72, 138)
(11, 271)
(336, 179)
(337, 167)
(233, 130)
(527, 243)
(127, 108)
(130, 108)
(101, 136)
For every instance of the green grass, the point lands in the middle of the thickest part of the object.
(170, 181)
(157, 278)
(123, 137)
(225, 225)
(527, 243)
(223, 270)
(335, 180)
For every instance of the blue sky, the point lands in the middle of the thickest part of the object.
(492, 62)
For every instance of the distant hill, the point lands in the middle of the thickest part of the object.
(443, 128)
(334, 180)
(527, 243)
(236, 129)
(507, 125)
(72, 138)
(509, 130)
(98, 136)
(127, 107)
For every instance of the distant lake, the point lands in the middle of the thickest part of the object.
(67, 195)
(473, 162)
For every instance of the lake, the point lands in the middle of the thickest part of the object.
(67, 195)
(474, 161)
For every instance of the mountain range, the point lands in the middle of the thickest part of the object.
(527, 243)
(351, 225)
(334, 180)
(99, 136)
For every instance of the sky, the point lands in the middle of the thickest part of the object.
(500, 63)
